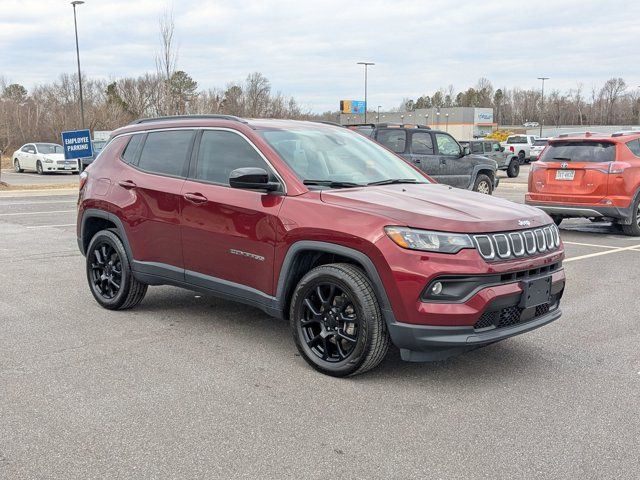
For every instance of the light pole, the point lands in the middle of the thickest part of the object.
(447, 115)
(542, 104)
(426, 119)
(366, 66)
(378, 117)
(75, 23)
(438, 119)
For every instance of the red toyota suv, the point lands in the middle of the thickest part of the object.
(590, 175)
(318, 225)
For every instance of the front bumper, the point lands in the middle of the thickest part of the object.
(489, 315)
(422, 343)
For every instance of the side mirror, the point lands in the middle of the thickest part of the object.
(501, 148)
(465, 151)
(252, 178)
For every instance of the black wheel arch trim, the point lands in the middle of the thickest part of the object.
(284, 287)
(90, 213)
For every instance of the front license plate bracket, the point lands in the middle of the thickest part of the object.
(535, 292)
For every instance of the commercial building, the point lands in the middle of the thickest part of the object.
(464, 123)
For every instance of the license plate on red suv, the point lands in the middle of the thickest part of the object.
(565, 174)
(535, 292)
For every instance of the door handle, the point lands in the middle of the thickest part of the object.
(416, 160)
(443, 161)
(195, 198)
(128, 184)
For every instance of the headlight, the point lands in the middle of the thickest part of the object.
(48, 160)
(441, 242)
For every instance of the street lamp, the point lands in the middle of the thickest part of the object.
(378, 117)
(447, 115)
(366, 66)
(542, 104)
(75, 23)
(426, 119)
(438, 119)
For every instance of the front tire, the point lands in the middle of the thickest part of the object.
(633, 230)
(39, 169)
(483, 184)
(336, 321)
(109, 273)
(16, 166)
(514, 168)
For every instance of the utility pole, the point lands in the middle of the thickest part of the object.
(75, 23)
(366, 65)
(542, 104)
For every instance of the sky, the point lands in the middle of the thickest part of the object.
(310, 49)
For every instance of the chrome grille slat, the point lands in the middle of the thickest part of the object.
(517, 244)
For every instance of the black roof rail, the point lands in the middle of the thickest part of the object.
(189, 117)
(404, 125)
(327, 122)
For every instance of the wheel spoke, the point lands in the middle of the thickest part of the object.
(314, 341)
(112, 282)
(311, 308)
(346, 337)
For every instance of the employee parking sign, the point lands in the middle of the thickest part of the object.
(77, 144)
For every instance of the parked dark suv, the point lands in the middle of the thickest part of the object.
(437, 154)
(318, 225)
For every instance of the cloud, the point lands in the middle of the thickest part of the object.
(310, 49)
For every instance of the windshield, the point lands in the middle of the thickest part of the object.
(579, 151)
(336, 156)
(48, 148)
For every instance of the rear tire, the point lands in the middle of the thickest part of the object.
(16, 166)
(633, 230)
(514, 168)
(109, 273)
(336, 321)
(521, 158)
(483, 184)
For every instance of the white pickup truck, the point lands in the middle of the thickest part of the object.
(520, 145)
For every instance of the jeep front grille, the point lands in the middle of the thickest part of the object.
(518, 244)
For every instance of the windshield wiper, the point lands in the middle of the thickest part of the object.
(332, 183)
(562, 158)
(391, 181)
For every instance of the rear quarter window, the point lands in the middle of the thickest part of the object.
(579, 151)
(130, 152)
(634, 146)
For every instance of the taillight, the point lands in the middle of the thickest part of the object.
(511, 149)
(539, 165)
(618, 167)
(83, 179)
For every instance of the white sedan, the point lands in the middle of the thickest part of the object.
(43, 158)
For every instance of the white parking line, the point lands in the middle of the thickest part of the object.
(35, 213)
(36, 203)
(588, 245)
(591, 255)
(52, 226)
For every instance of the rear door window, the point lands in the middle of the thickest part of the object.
(395, 140)
(579, 151)
(517, 139)
(421, 143)
(476, 147)
(167, 152)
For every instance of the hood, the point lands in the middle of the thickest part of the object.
(54, 156)
(438, 207)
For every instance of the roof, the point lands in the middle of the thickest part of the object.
(618, 137)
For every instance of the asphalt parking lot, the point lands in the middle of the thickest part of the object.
(31, 178)
(189, 386)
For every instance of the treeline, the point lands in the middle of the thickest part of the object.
(613, 103)
(43, 113)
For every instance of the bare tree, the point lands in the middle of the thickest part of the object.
(166, 63)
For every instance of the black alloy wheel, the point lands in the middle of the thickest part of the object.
(109, 273)
(336, 321)
(106, 270)
(329, 324)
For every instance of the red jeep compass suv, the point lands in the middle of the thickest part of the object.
(319, 225)
(590, 175)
